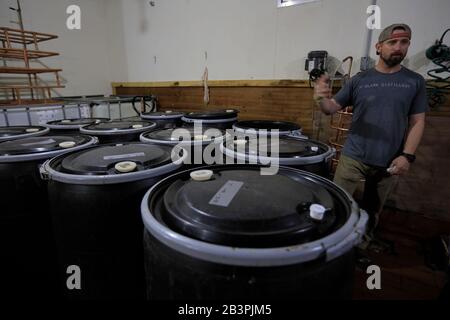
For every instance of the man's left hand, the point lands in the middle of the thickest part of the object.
(399, 166)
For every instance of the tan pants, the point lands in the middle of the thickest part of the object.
(378, 185)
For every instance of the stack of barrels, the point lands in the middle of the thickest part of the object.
(173, 206)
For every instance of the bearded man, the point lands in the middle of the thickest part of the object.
(389, 104)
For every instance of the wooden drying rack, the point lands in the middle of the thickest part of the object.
(38, 90)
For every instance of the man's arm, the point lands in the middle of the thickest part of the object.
(322, 94)
(329, 106)
(400, 165)
(415, 132)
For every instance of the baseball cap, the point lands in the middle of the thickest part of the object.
(386, 34)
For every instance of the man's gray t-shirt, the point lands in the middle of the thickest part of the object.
(382, 103)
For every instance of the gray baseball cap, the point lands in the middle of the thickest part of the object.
(386, 34)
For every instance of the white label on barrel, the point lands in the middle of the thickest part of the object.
(124, 156)
(48, 141)
(225, 195)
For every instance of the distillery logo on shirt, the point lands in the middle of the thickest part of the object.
(385, 85)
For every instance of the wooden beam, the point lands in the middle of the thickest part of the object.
(284, 83)
(218, 83)
(22, 70)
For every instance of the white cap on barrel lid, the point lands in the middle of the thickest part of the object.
(125, 166)
(201, 175)
(65, 121)
(32, 130)
(314, 148)
(137, 126)
(67, 144)
(168, 111)
(316, 211)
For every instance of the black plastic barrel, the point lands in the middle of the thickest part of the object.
(202, 144)
(116, 131)
(296, 152)
(164, 119)
(95, 196)
(21, 132)
(27, 250)
(222, 118)
(267, 127)
(72, 125)
(228, 232)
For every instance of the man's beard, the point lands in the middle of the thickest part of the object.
(393, 60)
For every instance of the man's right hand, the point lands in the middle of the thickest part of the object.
(322, 88)
(322, 96)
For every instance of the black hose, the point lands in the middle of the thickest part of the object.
(145, 98)
(134, 106)
(439, 54)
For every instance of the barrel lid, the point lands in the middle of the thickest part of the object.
(74, 123)
(237, 206)
(42, 147)
(212, 114)
(289, 150)
(20, 132)
(187, 135)
(161, 115)
(118, 127)
(101, 160)
(113, 163)
(283, 127)
(326, 248)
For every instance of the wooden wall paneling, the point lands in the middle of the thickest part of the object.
(292, 104)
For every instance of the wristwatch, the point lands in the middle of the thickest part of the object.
(409, 157)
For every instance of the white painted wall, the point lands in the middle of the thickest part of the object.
(129, 40)
(253, 39)
(91, 57)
